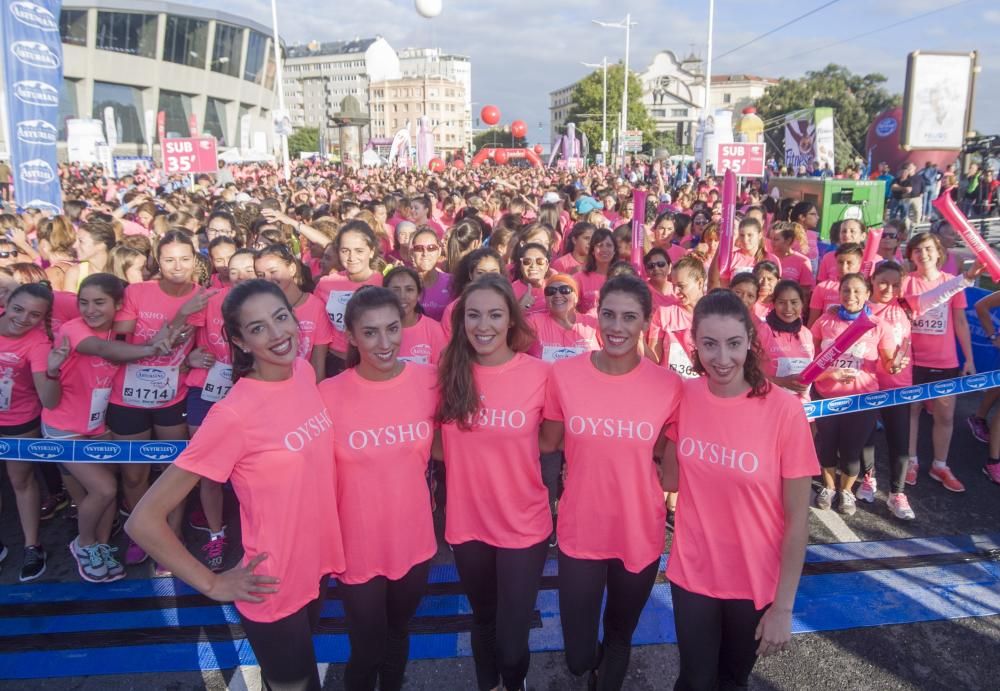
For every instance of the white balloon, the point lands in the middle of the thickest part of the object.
(428, 8)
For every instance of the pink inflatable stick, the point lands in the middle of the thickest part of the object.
(984, 253)
(840, 345)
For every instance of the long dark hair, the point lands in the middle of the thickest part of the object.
(231, 306)
(42, 292)
(725, 303)
(598, 237)
(365, 299)
(459, 398)
(414, 275)
(463, 274)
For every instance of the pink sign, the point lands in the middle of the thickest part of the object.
(190, 155)
(746, 160)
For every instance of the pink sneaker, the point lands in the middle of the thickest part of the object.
(992, 471)
(946, 478)
(912, 468)
(134, 554)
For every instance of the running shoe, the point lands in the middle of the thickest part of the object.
(900, 507)
(992, 471)
(848, 506)
(134, 554)
(161, 571)
(89, 561)
(980, 430)
(866, 492)
(34, 563)
(53, 505)
(116, 571)
(912, 468)
(824, 498)
(215, 552)
(946, 478)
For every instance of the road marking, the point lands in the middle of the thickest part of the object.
(832, 521)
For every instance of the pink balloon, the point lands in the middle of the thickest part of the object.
(490, 115)
(435, 165)
(538, 149)
(458, 163)
(519, 129)
(501, 157)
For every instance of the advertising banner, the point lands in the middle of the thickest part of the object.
(33, 78)
(191, 155)
(938, 100)
(746, 160)
(809, 139)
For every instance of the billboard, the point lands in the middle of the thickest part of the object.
(33, 77)
(190, 155)
(809, 139)
(937, 100)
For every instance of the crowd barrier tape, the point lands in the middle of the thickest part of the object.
(110, 451)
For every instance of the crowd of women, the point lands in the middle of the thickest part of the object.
(352, 352)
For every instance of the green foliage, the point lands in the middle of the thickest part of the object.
(855, 100)
(588, 99)
(303, 139)
(496, 134)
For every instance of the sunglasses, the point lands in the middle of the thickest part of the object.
(890, 236)
(5, 254)
(424, 249)
(537, 261)
(656, 265)
(557, 290)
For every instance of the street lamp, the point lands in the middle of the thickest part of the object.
(627, 25)
(708, 85)
(281, 89)
(604, 126)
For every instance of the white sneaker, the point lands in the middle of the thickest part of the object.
(866, 492)
(89, 561)
(900, 507)
(824, 498)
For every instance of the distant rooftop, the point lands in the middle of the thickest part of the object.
(315, 48)
(723, 78)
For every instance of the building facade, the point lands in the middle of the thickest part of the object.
(560, 104)
(432, 62)
(141, 57)
(399, 103)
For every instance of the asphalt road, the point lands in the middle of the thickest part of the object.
(952, 654)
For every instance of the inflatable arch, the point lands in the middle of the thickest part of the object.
(512, 154)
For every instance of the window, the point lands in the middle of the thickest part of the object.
(727, 98)
(227, 49)
(678, 112)
(270, 71)
(256, 52)
(127, 32)
(177, 108)
(73, 27)
(658, 112)
(67, 105)
(215, 119)
(186, 41)
(126, 101)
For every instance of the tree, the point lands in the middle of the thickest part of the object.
(855, 100)
(588, 100)
(497, 134)
(303, 139)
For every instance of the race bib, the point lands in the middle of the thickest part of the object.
(149, 387)
(218, 382)
(335, 306)
(679, 361)
(553, 353)
(850, 359)
(6, 390)
(787, 366)
(932, 322)
(98, 408)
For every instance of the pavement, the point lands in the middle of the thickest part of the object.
(840, 650)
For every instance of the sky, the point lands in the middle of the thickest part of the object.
(523, 49)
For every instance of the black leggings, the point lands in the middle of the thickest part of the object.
(896, 421)
(715, 639)
(581, 588)
(378, 615)
(284, 648)
(502, 586)
(841, 439)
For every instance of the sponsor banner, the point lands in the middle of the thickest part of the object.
(190, 155)
(809, 139)
(746, 160)
(33, 75)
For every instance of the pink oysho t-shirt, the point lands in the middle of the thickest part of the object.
(612, 507)
(334, 291)
(282, 470)
(494, 479)
(423, 342)
(933, 332)
(86, 382)
(730, 519)
(382, 437)
(554, 342)
(20, 358)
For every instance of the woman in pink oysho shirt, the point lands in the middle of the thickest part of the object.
(498, 521)
(283, 473)
(423, 337)
(742, 517)
(609, 409)
(382, 409)
(935, 356)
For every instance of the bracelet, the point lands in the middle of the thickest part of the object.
(51, 377)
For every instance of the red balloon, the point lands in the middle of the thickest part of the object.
(436, 165)
(500, 157)
(490, 115)
(458, 163)
(538, 149)
(519, 129)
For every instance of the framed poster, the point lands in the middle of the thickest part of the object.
(937, 102)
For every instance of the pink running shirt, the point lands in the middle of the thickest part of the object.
(933, 332)
(19, 359)
(86, 382)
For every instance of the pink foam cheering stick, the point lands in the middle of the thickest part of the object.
(638, 229)
(870, 255)
(984, 253)
(840, 345)
(726, 227)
